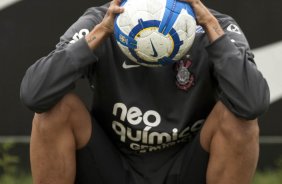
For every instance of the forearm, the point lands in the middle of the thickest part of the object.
(243, 88)
(96, 36)
(51, 77)
(47, 80)
(207, 21)
(213, 30)
(106, 27)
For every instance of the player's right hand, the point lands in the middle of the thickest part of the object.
(108, 22)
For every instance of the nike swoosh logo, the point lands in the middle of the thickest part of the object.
(126, 66)
(154, 50)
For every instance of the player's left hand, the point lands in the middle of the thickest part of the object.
(206, 19)
(203, 15)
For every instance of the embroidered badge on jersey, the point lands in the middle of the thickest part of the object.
(184, 78)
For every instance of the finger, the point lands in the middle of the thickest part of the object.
(116, 2)
(118, 9)
(115, 8)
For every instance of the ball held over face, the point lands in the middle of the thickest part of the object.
(155, 32)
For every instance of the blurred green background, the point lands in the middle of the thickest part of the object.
(13, 172)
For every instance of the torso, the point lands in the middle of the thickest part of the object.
(148, 109)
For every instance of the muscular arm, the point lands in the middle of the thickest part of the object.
(54, 75)
(51, 77)
(242, 87)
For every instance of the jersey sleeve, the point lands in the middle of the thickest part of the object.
(242, 87)
(51, 77)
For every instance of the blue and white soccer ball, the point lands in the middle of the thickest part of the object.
(155, 32)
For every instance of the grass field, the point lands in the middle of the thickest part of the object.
(268, 177)
(11, 174)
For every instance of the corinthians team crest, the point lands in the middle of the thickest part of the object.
(184, 78)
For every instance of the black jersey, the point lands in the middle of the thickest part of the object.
(147, 109)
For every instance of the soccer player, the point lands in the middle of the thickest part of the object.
(191, 122)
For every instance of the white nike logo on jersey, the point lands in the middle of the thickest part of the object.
(128, 66)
